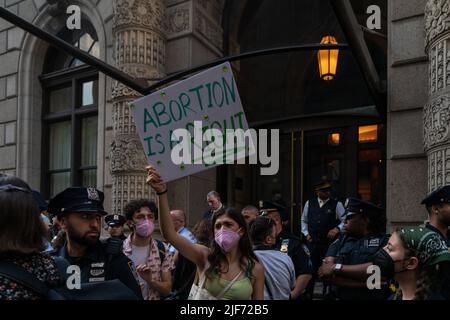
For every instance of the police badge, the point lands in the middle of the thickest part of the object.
(93, 194)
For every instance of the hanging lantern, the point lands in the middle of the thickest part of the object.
(328, 59)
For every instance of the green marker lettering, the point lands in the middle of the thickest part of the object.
(161, 112)
(149, 145)
(229, 90)
(199, 97)
(148, 119)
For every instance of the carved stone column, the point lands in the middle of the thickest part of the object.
(437, 110)
(139, 50)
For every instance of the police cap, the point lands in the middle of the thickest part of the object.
(323, 185)
(266, 207)
(115, 220)
(354, 206)
(441, 195)
(77, 199)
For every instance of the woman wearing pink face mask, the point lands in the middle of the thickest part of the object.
(228, 269)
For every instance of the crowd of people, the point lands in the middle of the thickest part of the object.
(228, 254)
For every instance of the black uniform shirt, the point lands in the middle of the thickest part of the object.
(291, 243)
(352, 251)
(94, 266)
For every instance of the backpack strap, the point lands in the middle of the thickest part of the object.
(20, 275)
(161, 250)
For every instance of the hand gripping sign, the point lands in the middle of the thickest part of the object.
(194, 125)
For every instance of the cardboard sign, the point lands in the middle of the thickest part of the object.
(210, 97)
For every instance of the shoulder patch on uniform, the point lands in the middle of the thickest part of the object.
(284, 245)
(98, 265)
(97, 272)
(374, 242)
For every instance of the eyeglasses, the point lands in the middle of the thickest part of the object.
(10, 187)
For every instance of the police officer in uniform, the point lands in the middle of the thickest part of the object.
(438, 206)
(115, 224)
(288, 243)
(80, 211)
(347, 259)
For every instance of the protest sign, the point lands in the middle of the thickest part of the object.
(198, 105)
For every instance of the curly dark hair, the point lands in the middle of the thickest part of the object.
(135, 205)
(217, 258)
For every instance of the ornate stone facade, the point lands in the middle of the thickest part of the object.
(437, 19)
(139, 50)
(437, 110)
(199, 17)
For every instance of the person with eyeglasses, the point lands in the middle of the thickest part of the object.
(347, 260)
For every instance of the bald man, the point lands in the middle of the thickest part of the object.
(179, 222)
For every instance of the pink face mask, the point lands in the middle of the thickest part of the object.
(145, 228)
(227, 239)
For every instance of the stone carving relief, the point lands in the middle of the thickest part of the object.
(437, 19)
(142, 48)
(178, 20)
(212, 32)
(439, 57)
(146, 13)
(120, 90)
(127, 154)
(437, 122)
(129, 187)
(438, 168)
(139, 50)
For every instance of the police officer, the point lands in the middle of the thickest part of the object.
(115, 224)
(321, 222)
(80, 211)
(288, 243)
(438, 206)
(347, 259)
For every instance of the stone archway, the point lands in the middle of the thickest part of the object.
(30, 67)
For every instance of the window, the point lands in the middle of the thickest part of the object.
(70, 116)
